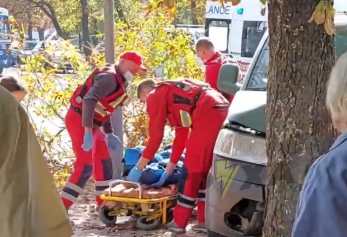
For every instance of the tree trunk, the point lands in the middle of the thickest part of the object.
(41, 32)
(49, 11)
(193, 12)
(299, 126)
(119, 10)
(85, 28)
(94, 39)
(30, 25)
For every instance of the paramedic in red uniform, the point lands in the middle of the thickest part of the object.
(184, 104)
(213, 60)
(91, 106)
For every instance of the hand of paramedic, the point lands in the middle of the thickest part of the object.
(88, 139)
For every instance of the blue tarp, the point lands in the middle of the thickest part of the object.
(154, 168)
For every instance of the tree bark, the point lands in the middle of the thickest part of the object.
(85, 28)
(94, 39)
(30, 25)
(41, 32)
(48, 9)
(119, 9)
(193, 12)
(299, 126)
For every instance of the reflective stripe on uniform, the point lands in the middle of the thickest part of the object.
(202, 195)
(101, 110)
(186, 120)
(73, 187)
(68, 196)
(71, 191)
(119, 100)
(100, 186)
(99, 192)
(102, 183)
(185, 201)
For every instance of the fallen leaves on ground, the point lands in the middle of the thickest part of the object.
(87, 224)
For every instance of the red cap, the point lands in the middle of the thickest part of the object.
(134, 57)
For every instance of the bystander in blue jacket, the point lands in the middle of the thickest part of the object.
(322, 208)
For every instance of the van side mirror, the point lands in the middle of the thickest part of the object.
(227, 79)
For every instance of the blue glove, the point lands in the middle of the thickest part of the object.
(87, 140)
(135, 174)
(161, 181)
(113, 143)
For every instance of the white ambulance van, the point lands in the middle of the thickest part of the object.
(236, 30)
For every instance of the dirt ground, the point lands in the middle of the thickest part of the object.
(86, 223)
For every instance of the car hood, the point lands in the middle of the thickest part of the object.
(248, 109)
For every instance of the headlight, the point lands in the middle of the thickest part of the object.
(241, 146)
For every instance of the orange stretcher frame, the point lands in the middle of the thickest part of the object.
(145, 203)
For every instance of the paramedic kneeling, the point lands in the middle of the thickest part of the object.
(183, 104)
(91, 106)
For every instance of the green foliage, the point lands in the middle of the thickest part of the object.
(68, 14)
(188, 15)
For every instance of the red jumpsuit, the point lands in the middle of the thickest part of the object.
(91, 106)
(213, 65)
(187, 104)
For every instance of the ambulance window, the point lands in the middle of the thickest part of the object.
(259, 75)
(218, 33)
(251, 35)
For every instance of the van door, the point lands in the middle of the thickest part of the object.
(217, 24)
(218, 31)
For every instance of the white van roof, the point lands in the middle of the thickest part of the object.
(214, 9)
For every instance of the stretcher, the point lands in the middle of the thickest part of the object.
(151, 207)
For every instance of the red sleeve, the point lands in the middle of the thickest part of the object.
(181, 136)
(212, 72)
(157, 112)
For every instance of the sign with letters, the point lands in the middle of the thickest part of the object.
(215, 10)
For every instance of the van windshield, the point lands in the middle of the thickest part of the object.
(259, 75)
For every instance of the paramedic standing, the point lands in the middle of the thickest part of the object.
(91, 106)
(184, 104)
(213, 60)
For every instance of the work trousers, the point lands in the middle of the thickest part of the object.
(197, 163)
(96, 161)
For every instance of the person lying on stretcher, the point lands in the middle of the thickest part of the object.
(155, 168)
